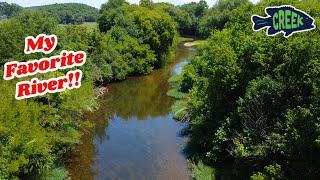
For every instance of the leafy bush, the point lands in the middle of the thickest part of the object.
(217, 16)
(255, 99)
(202, 172)
(36, 133)
(137, 39)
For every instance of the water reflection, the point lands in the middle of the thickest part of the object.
(135, 135)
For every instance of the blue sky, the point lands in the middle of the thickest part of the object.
(96, 3)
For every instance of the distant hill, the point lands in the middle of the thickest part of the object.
(7, 10)
(67, 13)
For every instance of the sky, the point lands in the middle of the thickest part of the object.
(97, 3)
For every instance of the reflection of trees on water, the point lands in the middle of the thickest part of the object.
(143, 97)
(138, 98)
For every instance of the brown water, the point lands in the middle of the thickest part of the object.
(135, 136)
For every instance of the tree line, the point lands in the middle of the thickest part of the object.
(69, 13)
(7, 10)
(197, 19)
(192, 19)
(66, 13)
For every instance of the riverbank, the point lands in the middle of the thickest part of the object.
(179, 108)
(182, 41)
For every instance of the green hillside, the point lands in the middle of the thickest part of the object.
(67, 13)
(7, 10)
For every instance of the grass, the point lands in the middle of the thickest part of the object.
(90, 25)
(200, 42)
(2, 20)
(202, 172)
(179, 110)
(184, 39)
(175, 79)
(176, 94)
(56, 173)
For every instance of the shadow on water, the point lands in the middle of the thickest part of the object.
(135, 136)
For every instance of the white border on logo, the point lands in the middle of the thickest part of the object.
(282, 31)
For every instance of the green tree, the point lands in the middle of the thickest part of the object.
(36, 133)
(112, 4)
(180, 16)
(69, 13)
(254, 100)
(14, 31)
(217, 16)
(154, 28)
(7, 10)
(195, 11)
(146, 3)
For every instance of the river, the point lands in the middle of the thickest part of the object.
(135, 135)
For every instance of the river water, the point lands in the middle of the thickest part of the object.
(135, 136)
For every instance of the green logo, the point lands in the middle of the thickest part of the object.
(284, 19)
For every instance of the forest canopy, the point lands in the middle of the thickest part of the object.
(254, 100)
(36, 134)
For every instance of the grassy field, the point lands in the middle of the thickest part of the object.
(90, 25)
(184, 39)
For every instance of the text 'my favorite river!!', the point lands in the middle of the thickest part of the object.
(135, 136)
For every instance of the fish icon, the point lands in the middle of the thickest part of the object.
(284, 19)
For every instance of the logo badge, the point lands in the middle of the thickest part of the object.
(284, 19)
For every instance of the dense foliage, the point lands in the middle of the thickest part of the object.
(197, 19)
(186, 16)
(137, 39)
(217, 16)
(181, 17)
(36, 133)
(69, 13)
(254, 99)
(195, 12)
